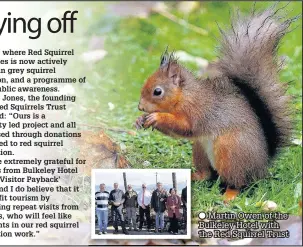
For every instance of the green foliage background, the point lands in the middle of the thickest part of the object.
(134, 46)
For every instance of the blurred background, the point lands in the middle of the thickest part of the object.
(119, 45)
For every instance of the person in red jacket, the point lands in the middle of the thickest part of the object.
(173, 204)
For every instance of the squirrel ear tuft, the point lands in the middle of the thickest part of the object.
(164, 58)
(173, 69)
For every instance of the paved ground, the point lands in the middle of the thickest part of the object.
(110, 230)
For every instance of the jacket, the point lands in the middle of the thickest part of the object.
(116, 196)
(131, 199)
(156, 204)
(173, 201)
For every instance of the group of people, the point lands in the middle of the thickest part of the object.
(159, 200)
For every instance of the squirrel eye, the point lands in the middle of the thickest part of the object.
(158, 91)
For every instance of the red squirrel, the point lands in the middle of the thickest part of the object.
(237, 119)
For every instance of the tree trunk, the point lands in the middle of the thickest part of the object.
(125, 182)
(174, 181)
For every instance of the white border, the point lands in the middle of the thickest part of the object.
(187, 174)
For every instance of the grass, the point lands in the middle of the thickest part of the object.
(134, 46)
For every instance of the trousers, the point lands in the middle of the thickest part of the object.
(145, 212)
(159, 220)
(102, 216)
(117, 214)
(131, 217)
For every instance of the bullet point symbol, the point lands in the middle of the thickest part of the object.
(202, 216)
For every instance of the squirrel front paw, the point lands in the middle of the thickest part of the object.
(140, 121)
(151, 120)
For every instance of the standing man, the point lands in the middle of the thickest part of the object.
(101, 198)
(116, 199)
(144, 198)
(130, 203)
(158, 200)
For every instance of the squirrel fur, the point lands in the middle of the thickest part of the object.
(239, 118)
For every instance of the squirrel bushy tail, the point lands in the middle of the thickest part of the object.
(248, 58)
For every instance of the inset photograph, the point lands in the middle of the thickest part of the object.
(141, 203)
